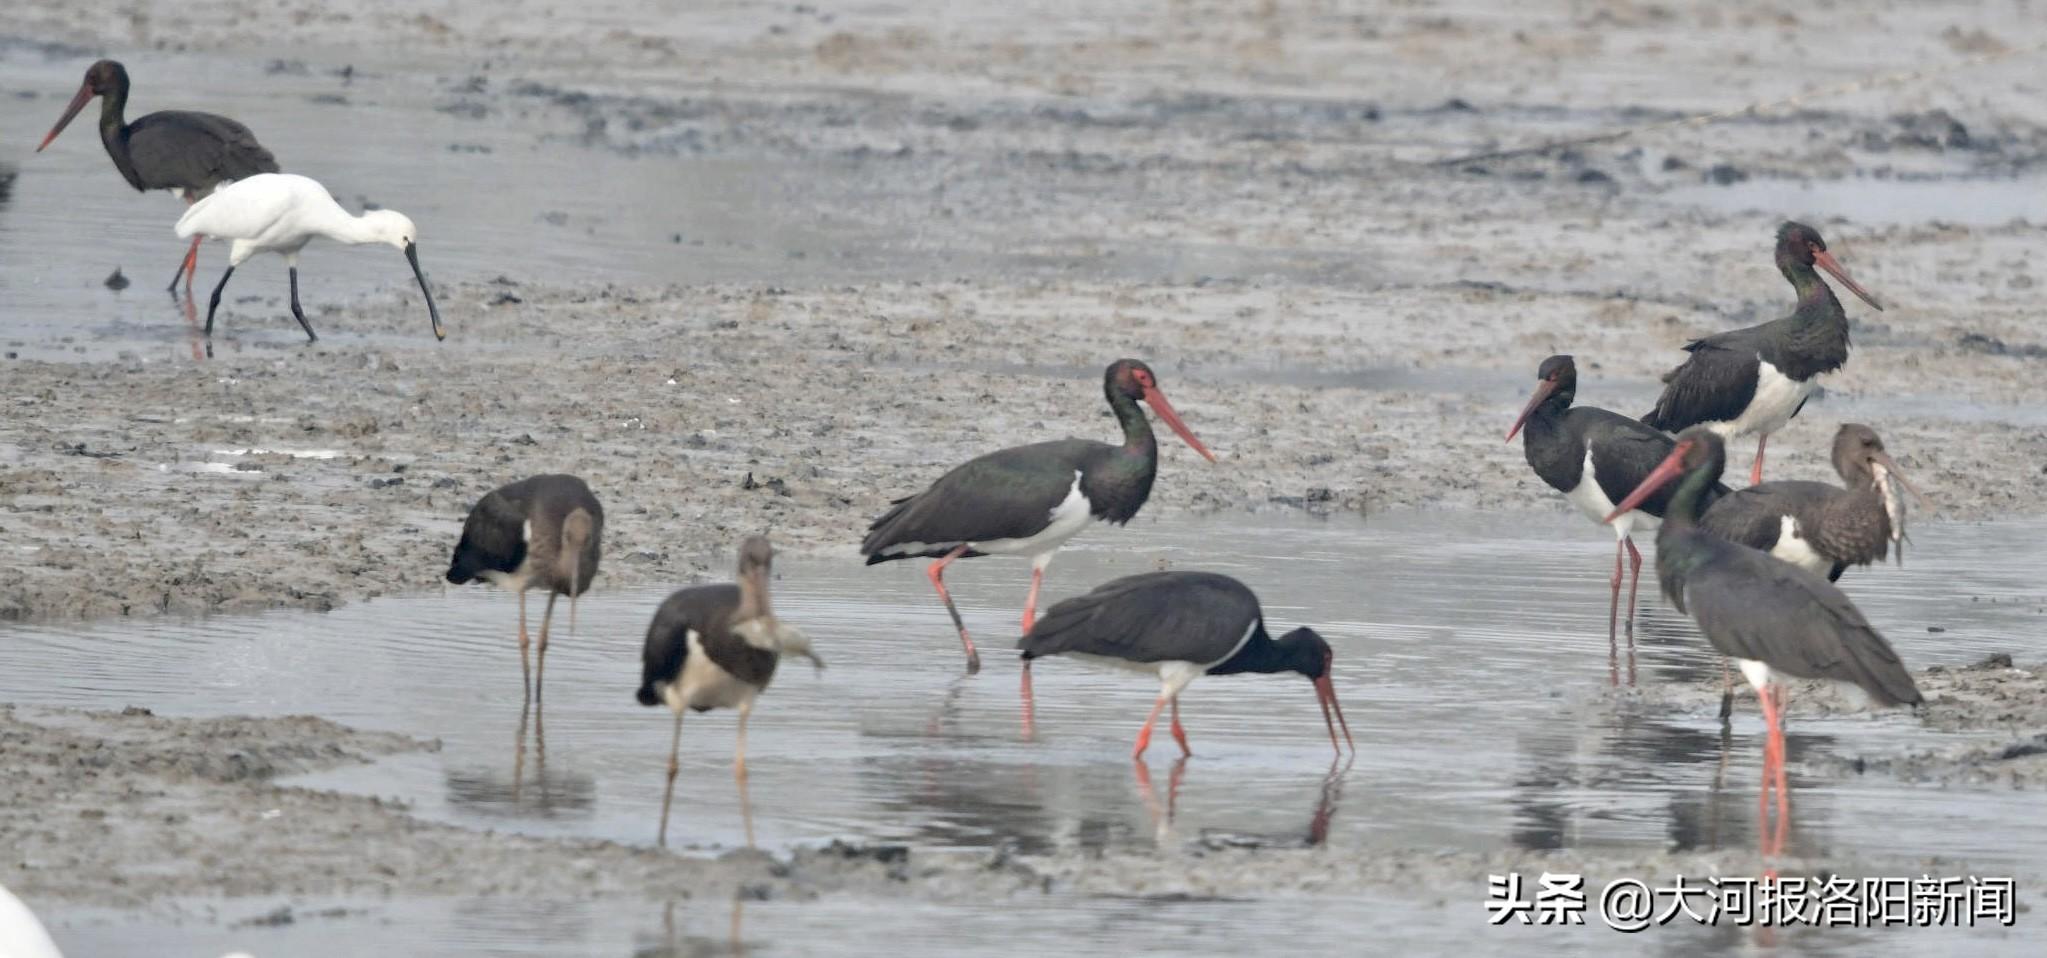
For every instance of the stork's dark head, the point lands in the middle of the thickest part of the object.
(105, 78)
(1800, 248)
(1556, 383)
(756, 557)
(1306, 652)
(1128, 379)
(1862, 461)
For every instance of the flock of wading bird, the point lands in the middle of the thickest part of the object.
(1754, 567)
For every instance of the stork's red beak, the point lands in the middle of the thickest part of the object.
(1158, 403)
(77, 103)
(1542, 391)
(1670, 468)
(1826, 261)
(1325, 691)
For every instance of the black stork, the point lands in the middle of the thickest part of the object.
(1028, 500)
(1774, 619)
(1819, 527)
(542, 532)
(1751, 381)
(1180, 626)
(1595, 458)
(716, 646)
(186, 152)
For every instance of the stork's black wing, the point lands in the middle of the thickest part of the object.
(181, 149)
(1753, 606)
(704, 609)
(1008, 494)
(493, 537)
(1714, 384)
(1754, 516)
(1153, 617)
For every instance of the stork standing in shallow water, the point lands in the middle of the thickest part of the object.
(1029, 500)
(1752, 381)
(182, 151)
(1181, 626)
(544, 532)
(717, 646)
(1774, 619)
(1595, 458)
(282, 212)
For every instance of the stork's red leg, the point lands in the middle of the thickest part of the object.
(1634, 582)
(1783, 788)
(1180, 734)
(1773, 757)
(1613, 609)
(1029, 707)
(1144, 734)
(937, 575)
(1755, 474)
(190, 264)
(1030, 617)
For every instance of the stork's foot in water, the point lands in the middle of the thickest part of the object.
(1030, 724)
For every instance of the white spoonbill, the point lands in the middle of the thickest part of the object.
(22, 935)
(282, 212)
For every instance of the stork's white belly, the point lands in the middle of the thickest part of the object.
(1793, 548)
(1777, 397)
(1071, 515)
(1592, 501)
(703, 685)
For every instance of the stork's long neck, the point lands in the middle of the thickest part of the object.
(753, 597)
(1816, 300)
(114, 133)
(1137, 434)
(1689, 500)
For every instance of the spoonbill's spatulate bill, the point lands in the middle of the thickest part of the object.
(1181, 626)
(1771, 617)
(1028, 500)
(1595, 458)
(544, 532)
(282, 212)
(1819, 527)
(1751, 381)
(185, 152)
(717, 646)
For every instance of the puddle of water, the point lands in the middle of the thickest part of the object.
(1468, 635)
(1024, 926)
(1970, 201)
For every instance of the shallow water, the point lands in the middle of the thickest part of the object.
(1973, 201)
(1471, 661)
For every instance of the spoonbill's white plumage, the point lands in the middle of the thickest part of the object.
(22, 934)
(282, 212)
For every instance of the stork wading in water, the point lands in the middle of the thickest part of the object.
(717, 646)
(1752, 381)
(1595, 458)
(544, 532)
(1777, 621)
(185, 152)
(1028, 500)
(1181, 626)
(281, 213)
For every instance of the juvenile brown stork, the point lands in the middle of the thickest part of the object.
(1595, 458)
(716, 646)
(543, 532)
(1819, 527)
(1181, 626)
(1028, 500)
(1774, 619)
(182, 151)
(1751, 381)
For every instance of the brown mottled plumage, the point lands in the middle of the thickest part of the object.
(1829, 527)
(544, 532)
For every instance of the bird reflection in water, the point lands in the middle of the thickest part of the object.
(1332, 793)
(1161, 817)
(675, 945)
(531, 789)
